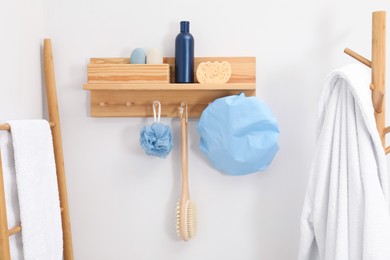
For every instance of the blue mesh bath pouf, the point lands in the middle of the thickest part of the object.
(156, 139)
(238, 134)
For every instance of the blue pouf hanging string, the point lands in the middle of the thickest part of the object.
(156, 139)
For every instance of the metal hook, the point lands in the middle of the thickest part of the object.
(157, 118)
(181, 110)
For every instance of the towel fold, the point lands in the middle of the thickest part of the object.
(37, 190)
(11, 194)
(346, 210)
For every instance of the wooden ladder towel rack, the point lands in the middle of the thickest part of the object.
(378, 72)
(51, 94)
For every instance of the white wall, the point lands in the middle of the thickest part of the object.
(122, 202)
(21, 30)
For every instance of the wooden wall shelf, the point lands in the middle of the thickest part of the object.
(135, 99)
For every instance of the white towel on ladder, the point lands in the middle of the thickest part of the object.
(11, 194)
(37, 190)
(346, 210)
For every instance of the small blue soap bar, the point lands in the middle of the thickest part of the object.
(138, 56)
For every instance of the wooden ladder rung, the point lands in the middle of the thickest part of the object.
(17, 229)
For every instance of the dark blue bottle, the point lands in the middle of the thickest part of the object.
(184, 55)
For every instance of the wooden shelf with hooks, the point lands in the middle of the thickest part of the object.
(112, 99)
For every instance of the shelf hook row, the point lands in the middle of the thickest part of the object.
(127, 104)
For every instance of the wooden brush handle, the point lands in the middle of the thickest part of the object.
(184, 159)
(184, 180)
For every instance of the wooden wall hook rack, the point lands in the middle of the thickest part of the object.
(120, 89)
(378, 72)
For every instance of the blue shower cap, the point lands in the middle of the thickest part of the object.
(238, 134)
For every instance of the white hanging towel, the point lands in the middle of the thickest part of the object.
(36, 181)
(346, 210)
(11, 194)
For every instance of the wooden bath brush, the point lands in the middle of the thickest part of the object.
(186, 219)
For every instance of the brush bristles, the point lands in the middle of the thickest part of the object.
(178, 219)
(191, 220)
